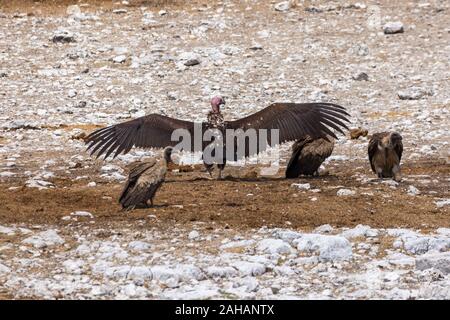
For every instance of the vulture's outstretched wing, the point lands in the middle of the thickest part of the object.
(295, 120)
(151, 131)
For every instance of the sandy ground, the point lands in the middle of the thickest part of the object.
(253, 55)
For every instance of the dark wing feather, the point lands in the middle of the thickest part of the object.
(292, 168)
(296, 120)
(136, 170)
(399, 150)
(152, 131)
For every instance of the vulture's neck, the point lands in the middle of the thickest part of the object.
(215, 119)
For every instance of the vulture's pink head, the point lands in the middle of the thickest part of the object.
(216, 103)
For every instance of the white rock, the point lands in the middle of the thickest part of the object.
(8, 231)
(273, 246)
(73, 10)
(413, 93)
(120, 11)
(286, 235)
(74, 266)
(117, 272)
(4, 269)
(419, 244)
(360, 231)
(325, 228)
(307, 260)
(250, 268)
(301, 186)
(442, 203)
(92, 184)
(120, 58)
(413, 191)
(401, 259)
(38, 183)
(72, 93)
(220, 272)
(440, 261)
(179, 273)
(248, 283)
(111, 168)
(330, 248)
(193, 235)
(7, 174)
(237, 244)
(345, 192)
(120, 50)
(393, 27)
(140, 273)
(44, 239)
(282, 6)
(82, 214)
(139, 245)
(443, 231)
(284, 270)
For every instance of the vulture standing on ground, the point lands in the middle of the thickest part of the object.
(307, 156)
(293, 120)
(385, 152)
(144, 180)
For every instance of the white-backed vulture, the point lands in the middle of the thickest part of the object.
(385, 152)
(144, 180)
(307, 156)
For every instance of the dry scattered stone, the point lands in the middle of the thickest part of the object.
(44, 239)
(413, 93)
(63, 36)
(393, 27)
(439, 261)
(329, 248)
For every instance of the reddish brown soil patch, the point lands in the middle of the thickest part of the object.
(243, 202)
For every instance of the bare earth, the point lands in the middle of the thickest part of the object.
(246, 236)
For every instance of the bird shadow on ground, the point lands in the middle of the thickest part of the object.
(155, 206)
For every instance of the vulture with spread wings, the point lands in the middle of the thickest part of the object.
(293, 120)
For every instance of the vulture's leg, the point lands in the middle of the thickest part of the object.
(396, 173)
(221, 166)
(209, 168)
(130, 208)
(151, 202)
(379, 172)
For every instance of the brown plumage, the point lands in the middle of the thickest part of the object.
(293, 120)
(307, 156)
(144, 180)
(385, 152)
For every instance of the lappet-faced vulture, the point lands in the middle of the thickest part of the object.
(307, 156)
(385, 152)
(293, 120)
(144, 180)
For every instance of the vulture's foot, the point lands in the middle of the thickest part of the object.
(130, 208)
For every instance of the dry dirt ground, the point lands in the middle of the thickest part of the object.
(245, 236)
(241, 201)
